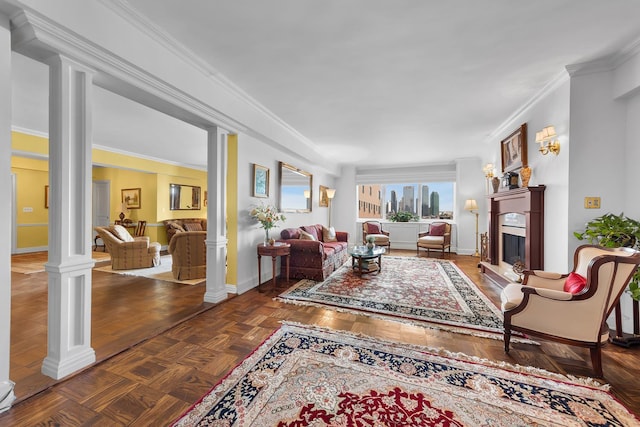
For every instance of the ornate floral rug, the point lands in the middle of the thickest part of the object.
(424, 291)
(308, 376)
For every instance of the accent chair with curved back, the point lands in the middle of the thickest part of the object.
(374, 228)
(129, 252)
(571, 308)
(438, 238)
(188, 255)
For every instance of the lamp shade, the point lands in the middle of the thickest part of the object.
(331, 192)
(307, 194)
(471, 205)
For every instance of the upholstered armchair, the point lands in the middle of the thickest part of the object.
(188, 255)
(438, 238)
(129, 252)
(374, 228)
(571, 308)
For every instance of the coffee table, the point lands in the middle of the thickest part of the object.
(365, 260)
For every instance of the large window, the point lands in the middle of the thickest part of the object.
(426, 200)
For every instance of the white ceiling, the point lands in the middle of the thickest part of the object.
(372, 82)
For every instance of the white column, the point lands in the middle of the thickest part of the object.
(6, 386)
(216, 215)
(70, 263)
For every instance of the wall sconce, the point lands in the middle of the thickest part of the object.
(488, 170)
(331, 193)
(471, 205)
(548, 143)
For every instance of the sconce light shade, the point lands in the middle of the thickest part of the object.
(488, 170)
(471, 205)
(331, 192)
(548, 143)
(307, 194)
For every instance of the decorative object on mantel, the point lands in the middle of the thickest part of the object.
(495, 183)
(472, 206)
(547, 140)
(268, 216)
(525, 175)
(510, 181)
(514, 150)
(489, 174)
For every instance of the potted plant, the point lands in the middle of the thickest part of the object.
(612, 231)
(402, 216)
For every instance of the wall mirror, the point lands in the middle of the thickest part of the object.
(295, 189)
(184, 197)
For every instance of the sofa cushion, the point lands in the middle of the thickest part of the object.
(307, 236)
(329, 234)
(121, 233)
(336, 246)
(290, 233)
(575, 283)
(311, 229)
(175, 225)
(437, 229)
(193, 226)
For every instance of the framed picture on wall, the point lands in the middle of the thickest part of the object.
(514, 150)
(260, 181)
(324, 200)
(131, 198)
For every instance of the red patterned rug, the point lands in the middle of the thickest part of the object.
(307, 376)
(423, 291)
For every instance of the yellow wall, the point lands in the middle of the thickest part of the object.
(123, 172)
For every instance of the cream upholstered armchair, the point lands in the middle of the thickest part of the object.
(438, 238)
(188, 255)
(374, 228)
(129, 252)
(571, 308)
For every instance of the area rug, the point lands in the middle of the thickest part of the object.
(310, 376)
(160, 272)
(34, 262)
(423, 291)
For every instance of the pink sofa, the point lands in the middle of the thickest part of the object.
(314, 259)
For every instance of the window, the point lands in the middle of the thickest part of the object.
(427, 200)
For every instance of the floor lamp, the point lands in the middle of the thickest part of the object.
(331, 193)
(471, 205)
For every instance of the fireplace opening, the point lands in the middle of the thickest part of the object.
(513, 248)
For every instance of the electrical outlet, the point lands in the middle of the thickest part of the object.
(592, 202)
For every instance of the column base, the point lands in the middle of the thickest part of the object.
(58, 369)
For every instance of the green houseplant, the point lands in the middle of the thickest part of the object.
(613, 231)
(402, 216)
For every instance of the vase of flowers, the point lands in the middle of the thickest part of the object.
(268, 216)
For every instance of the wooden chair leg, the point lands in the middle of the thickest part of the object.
(507, 339)
(596, 360)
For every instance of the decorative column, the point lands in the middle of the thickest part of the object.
(70, 263)
(216, 215)
(6, 385)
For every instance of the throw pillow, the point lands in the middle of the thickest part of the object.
(175, 226)
(329, 234)
(437, 229)
(311, 230)
(121, 233)
(193, 226)
(306, 236)
(575, 283)
(373, 228)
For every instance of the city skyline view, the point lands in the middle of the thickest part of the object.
(444, 190)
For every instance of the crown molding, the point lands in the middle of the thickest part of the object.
(606, 63)
(506, 126)
(132, 15)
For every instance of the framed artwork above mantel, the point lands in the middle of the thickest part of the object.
(513, 150)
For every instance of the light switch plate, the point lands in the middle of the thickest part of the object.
(592, 202)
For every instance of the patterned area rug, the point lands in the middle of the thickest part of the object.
(428, 292)
(306, 376)
(160, 272)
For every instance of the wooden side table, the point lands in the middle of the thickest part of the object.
(274, 251)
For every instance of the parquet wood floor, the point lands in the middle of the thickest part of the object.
(156, 380)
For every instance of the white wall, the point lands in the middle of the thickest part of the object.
(470, 184)
(251, 150)
(549, 170)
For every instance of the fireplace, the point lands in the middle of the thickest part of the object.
(516, 231)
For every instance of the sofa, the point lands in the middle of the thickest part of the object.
(129, 252)
(188, 255)
(314, 252)
(174, 226)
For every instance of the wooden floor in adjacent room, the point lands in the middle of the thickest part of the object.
(149, 377)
